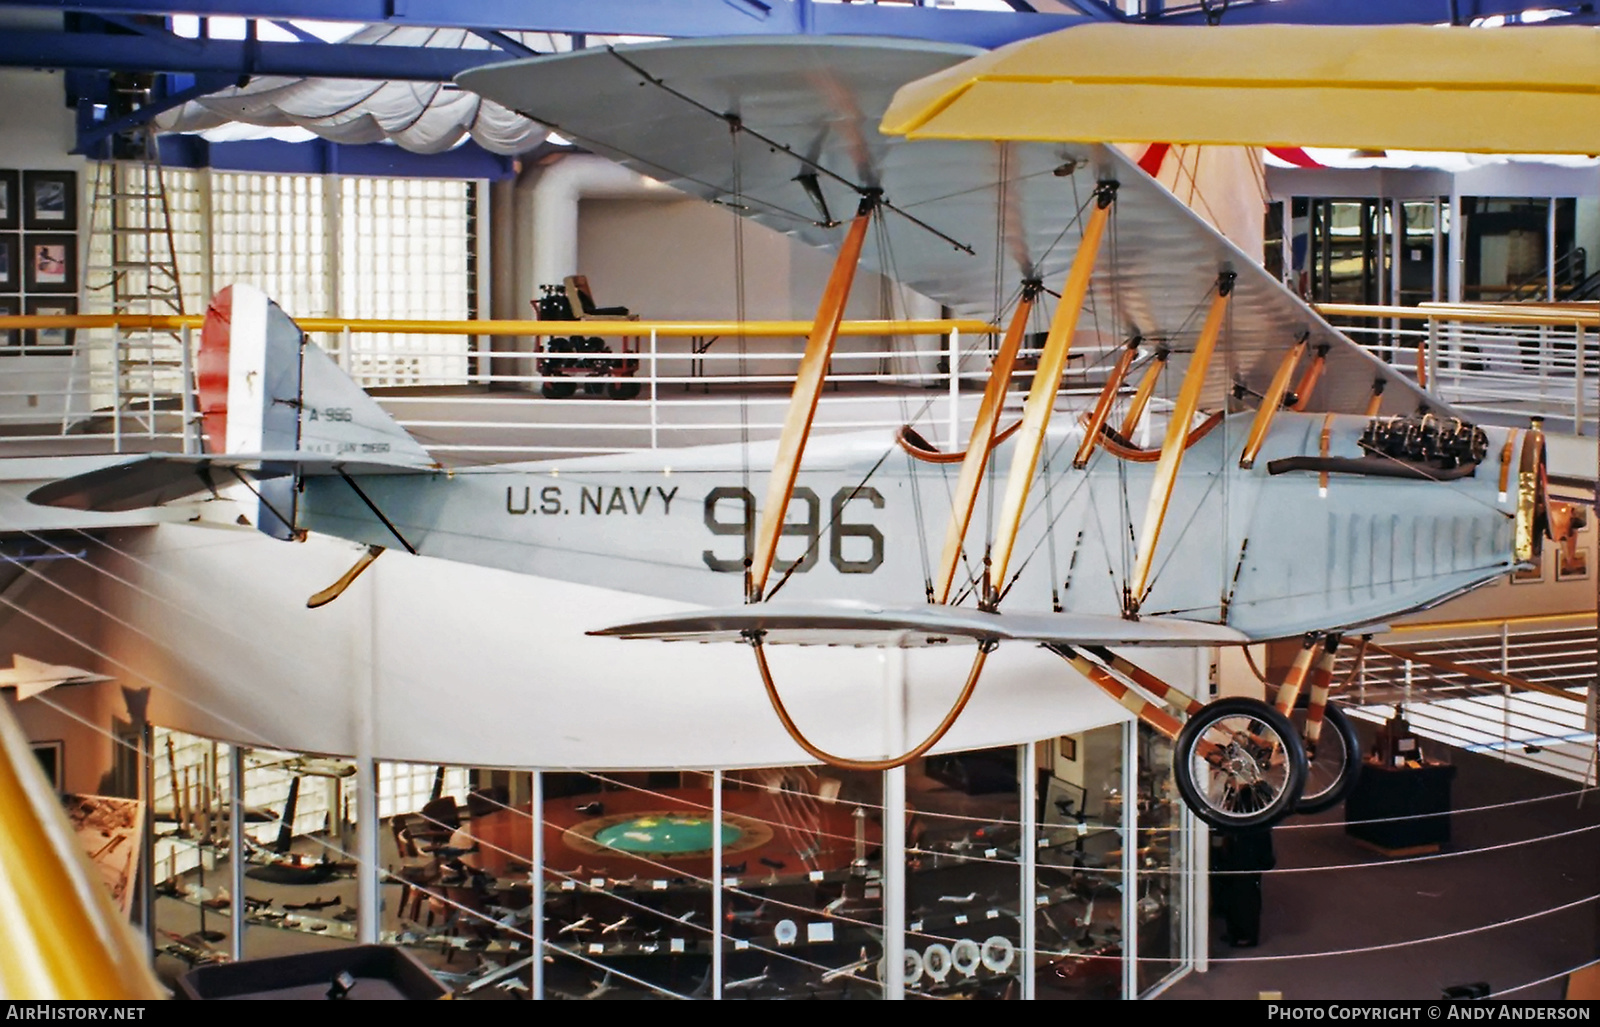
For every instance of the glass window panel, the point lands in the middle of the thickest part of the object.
(1078, 893)
(963, 879)
(628, 911)
(802, 883)
(300, 851)
(1159, 910)
(192, 862)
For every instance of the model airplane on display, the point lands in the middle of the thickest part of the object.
(1304, 489)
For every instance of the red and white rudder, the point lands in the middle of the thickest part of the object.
(267, 391)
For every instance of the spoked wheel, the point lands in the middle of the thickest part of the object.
(1239, 764)
(1333, 764)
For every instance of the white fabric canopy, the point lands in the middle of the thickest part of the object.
(424, 117)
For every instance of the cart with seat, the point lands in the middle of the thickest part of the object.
(562, 359)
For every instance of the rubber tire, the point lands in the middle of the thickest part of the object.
(1332, 772)
(623, 389)
(1266, 720)
(557, 388)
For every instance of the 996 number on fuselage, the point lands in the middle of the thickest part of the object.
(810, 527)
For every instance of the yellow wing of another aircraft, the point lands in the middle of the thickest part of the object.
(1411, 87)
(786, 131)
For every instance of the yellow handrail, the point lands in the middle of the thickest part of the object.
(1586, 616)
(1536, 314)
(762, 329)
(1481, 313)
(60, 935)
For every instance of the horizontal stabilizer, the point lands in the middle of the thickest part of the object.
(868, 624)
(162, 478)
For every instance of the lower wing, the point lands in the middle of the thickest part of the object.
(867, 624)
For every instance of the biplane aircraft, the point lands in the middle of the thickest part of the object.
(1303, 488)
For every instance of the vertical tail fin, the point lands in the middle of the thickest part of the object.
(265, 388)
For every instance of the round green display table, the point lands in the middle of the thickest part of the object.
(657, 835)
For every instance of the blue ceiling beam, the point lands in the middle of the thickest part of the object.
(680, 18)
(93, 135)
(237, 57)
(1355, 12)
(505, 42)
(296, 31)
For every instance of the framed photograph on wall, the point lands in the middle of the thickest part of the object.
(10, 338)
(50, 263)
(1067, 746)
(49, 755)
(50, 200)
(51, 341)
(10, 200)
(10, 263)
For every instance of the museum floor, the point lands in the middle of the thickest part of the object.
(1503, 866)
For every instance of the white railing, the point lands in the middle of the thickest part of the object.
(1550, 730)
(475, 391)
(482, 391)
(1505, 361)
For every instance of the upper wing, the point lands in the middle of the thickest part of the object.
(924, 624)
(809, 109)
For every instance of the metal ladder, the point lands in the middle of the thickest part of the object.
(132, 268)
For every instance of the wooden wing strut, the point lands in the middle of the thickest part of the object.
(1041, 400)
(803, 400)
(982, 441)
(1146, 389)
(1270, 404)
(1172, 449)
(1308, 381)
(1102, 406)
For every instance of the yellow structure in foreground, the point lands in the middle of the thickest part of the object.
(1413, 87)
(60, 935)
